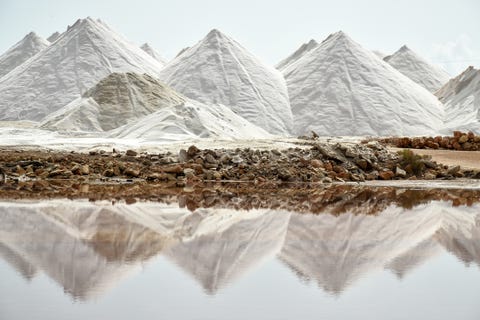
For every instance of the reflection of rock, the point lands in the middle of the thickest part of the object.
(221, 247)
(337, 251)
(83, 247)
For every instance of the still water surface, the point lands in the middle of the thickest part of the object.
(62, 259)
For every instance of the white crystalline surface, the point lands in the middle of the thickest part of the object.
(218, 70)
(84, 54)
(379, 54)
(461, 97)
(300, 52)
(191, 120)
(54, 36)
(418, 69)
(153, 53)
(23, 50)
(340, 88)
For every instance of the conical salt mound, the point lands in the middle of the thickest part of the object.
(219, 70)
(136, 106)
(418, 69)
(84, 54)
(54, 36)
(300, 52)
(379, 54)
(461, 97)
(340, 88)
(116, 100)
(23, 50)
(153, 53)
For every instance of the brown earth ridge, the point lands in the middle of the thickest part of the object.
(322, 162)
(460, 141)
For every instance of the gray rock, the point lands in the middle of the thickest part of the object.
(210, 159)
(454, 170)
(429, 164)
(237, 159)
(182, 156)
(189, 173)
(192, 151)
(399, 172)
(131, 153)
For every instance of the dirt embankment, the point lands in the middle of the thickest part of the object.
(323, 162)
(464, 159)
(462, 149)
(460, 141)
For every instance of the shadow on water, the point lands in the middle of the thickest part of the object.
(331, 236)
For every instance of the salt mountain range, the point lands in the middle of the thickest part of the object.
(90, 78)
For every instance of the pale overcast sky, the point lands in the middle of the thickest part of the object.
(445, 31)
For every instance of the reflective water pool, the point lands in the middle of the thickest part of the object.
(378, 258)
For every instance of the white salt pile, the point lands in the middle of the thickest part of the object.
(418, 69)
(218, 70)
(84, 54)
(340, 88)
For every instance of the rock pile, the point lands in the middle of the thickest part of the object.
(322, 162)
(460, 141)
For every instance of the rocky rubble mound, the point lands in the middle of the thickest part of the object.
(460, 141)
(323, 162)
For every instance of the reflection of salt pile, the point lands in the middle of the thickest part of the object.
(88, 247)
(340, 88)
(415, 257)
(218, 70)
(19, 263)
(23, 50)
(225, 245)
(84, 54)
(418, 69)
(85, 248)
(461, 97)
(337, 251)
(462, 240)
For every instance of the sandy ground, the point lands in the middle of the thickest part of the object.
(465, 159)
